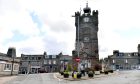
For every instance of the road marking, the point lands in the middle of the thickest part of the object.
(54, 75)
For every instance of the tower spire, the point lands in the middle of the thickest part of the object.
(87, 4)
(87, 9)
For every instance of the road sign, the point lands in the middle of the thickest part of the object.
(77, 59)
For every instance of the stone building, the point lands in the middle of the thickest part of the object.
(42, 63)
(124, 60)
(65, 62)
(86, 47)
(9, 63)
(31, 63)
(56, 63)
(51, 63)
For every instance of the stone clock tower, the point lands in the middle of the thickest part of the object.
(86, 47)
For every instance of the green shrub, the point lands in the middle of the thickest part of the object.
(66, 72)
(90, 74)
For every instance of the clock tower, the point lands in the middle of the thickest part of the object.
(86, 46)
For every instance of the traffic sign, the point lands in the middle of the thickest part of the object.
(77, 59)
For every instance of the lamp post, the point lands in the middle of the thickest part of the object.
(12, 65)
(78, 46)
(78, 50)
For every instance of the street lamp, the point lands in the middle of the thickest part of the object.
(78, 50)
(12, 65)
(78, 45)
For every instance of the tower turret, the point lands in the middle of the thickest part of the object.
(87, 9)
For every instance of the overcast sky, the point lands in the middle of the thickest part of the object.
(35, 26)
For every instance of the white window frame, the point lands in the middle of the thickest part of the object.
(113, 61)
(45, 61)
(5, 68)
(49, 62)
(17, 67)
(126, 61)
(54, 61)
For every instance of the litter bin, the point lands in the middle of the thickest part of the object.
(75, 75)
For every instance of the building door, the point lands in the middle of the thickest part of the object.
(117, 66)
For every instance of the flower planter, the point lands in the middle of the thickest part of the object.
(79, 75)
(66, 75)
(106, 72)
(111, 71)
(90, 75)
(62, 73)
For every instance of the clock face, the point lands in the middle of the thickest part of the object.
(86, 39)
(86, 19)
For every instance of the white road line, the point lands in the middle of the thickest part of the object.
(54, 75)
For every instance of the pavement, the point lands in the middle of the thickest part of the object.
(60, 77)
(118, 77)
(4, 79)
(46, 77)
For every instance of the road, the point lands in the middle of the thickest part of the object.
(124, 77)
(46, 78)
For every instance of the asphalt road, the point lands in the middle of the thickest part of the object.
(124, 77)
(45, 78)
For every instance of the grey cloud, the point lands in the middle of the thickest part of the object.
(26, 50)
(61, 26)
(54, 47)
